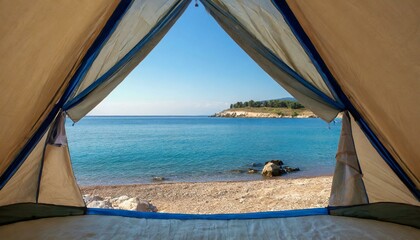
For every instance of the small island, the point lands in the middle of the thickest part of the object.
(278, 108)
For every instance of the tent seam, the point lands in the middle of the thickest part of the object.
(42, 165)
(357, 157)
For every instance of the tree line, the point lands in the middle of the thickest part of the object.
(269, 103)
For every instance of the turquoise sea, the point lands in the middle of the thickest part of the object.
(127, 150)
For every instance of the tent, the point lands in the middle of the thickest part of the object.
(61, 58)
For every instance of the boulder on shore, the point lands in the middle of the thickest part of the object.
(136, 204)
(90, 198)
(118, 200)
(271, 170)
(99, 204)
(123, 202)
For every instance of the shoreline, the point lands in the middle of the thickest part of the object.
(225, 196)
(151, 182)
(257, 113)
(230, 176)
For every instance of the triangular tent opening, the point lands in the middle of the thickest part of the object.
(155, 82)
(333, 56)
(196, 56)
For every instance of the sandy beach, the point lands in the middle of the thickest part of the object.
(226, 197)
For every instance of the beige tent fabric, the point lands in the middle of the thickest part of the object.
(246, 41)
(265, 23)
(308, 99)
(41, 45)
(372, 49)
(58, 185)
(381, 183)
(79, 111)
(115, 227)
(135, 25)
(22, 187)
(347, 187)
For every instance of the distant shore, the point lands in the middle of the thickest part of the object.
(265, 112)
(226, 197)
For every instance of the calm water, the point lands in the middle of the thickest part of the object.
(124, 150)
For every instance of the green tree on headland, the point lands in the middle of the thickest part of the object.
(268, 103)
(251, 103)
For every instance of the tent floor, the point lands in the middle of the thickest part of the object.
(116, 227)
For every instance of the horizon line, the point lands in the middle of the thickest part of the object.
(152, 115)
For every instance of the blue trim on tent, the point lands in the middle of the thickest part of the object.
(279, 63)
(233, 216)
(307, 45)
(174, 12)
(87, 61)
(305, 83)
(377, 144)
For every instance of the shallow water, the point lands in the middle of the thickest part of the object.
(126, 150)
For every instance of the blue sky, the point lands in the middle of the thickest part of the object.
(197, 69)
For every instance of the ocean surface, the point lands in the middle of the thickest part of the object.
(128, 150)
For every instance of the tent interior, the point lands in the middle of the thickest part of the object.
(62, 58)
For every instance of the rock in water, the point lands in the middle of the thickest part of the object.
(290, 169)
(251, 171)
(277, 162)
(271, 170)
(256, 164)
(158, 179)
